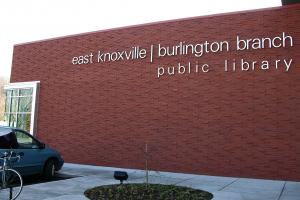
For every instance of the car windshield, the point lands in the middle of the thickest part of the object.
(8, 141)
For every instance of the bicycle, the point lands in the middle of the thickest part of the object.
(11, 182)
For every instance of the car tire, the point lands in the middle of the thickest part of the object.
(49, 169)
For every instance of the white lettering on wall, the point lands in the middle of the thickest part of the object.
(261, 43)
(199, 49)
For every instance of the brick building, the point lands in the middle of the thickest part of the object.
(217, 95)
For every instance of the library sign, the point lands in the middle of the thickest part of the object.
(157, 51)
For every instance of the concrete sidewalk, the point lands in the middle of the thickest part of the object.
(223, 188)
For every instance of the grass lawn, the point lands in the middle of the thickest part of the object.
(141, 191)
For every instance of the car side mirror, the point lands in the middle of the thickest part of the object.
(42, 146)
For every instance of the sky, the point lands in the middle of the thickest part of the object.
(31, 20)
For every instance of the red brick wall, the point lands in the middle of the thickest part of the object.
(242, 124)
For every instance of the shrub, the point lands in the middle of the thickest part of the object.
(146, 192)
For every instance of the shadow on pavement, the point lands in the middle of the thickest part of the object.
(31, 180)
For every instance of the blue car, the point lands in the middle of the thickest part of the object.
(36, 157)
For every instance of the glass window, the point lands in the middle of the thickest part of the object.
(8, 93)
(23, 121)
(24, 104)
(14, 104)
(4, 143)
(15, 92)
(6, 117)
(26, 92)
(12, 120)
(20, 110)
(8, 141)
(7, 103)
(24, 140)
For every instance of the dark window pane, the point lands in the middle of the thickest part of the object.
(7, 141)
(4, 143)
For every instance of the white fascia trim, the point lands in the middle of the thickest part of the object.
(21, 85)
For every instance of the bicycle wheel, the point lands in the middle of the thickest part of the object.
(11, 184)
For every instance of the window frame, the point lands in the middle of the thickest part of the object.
(34, 102)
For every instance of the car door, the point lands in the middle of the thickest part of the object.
(32, 159)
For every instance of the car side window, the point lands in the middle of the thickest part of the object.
(25, 141)
(8, 141)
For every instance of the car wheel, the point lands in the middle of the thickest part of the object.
(49, 169)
